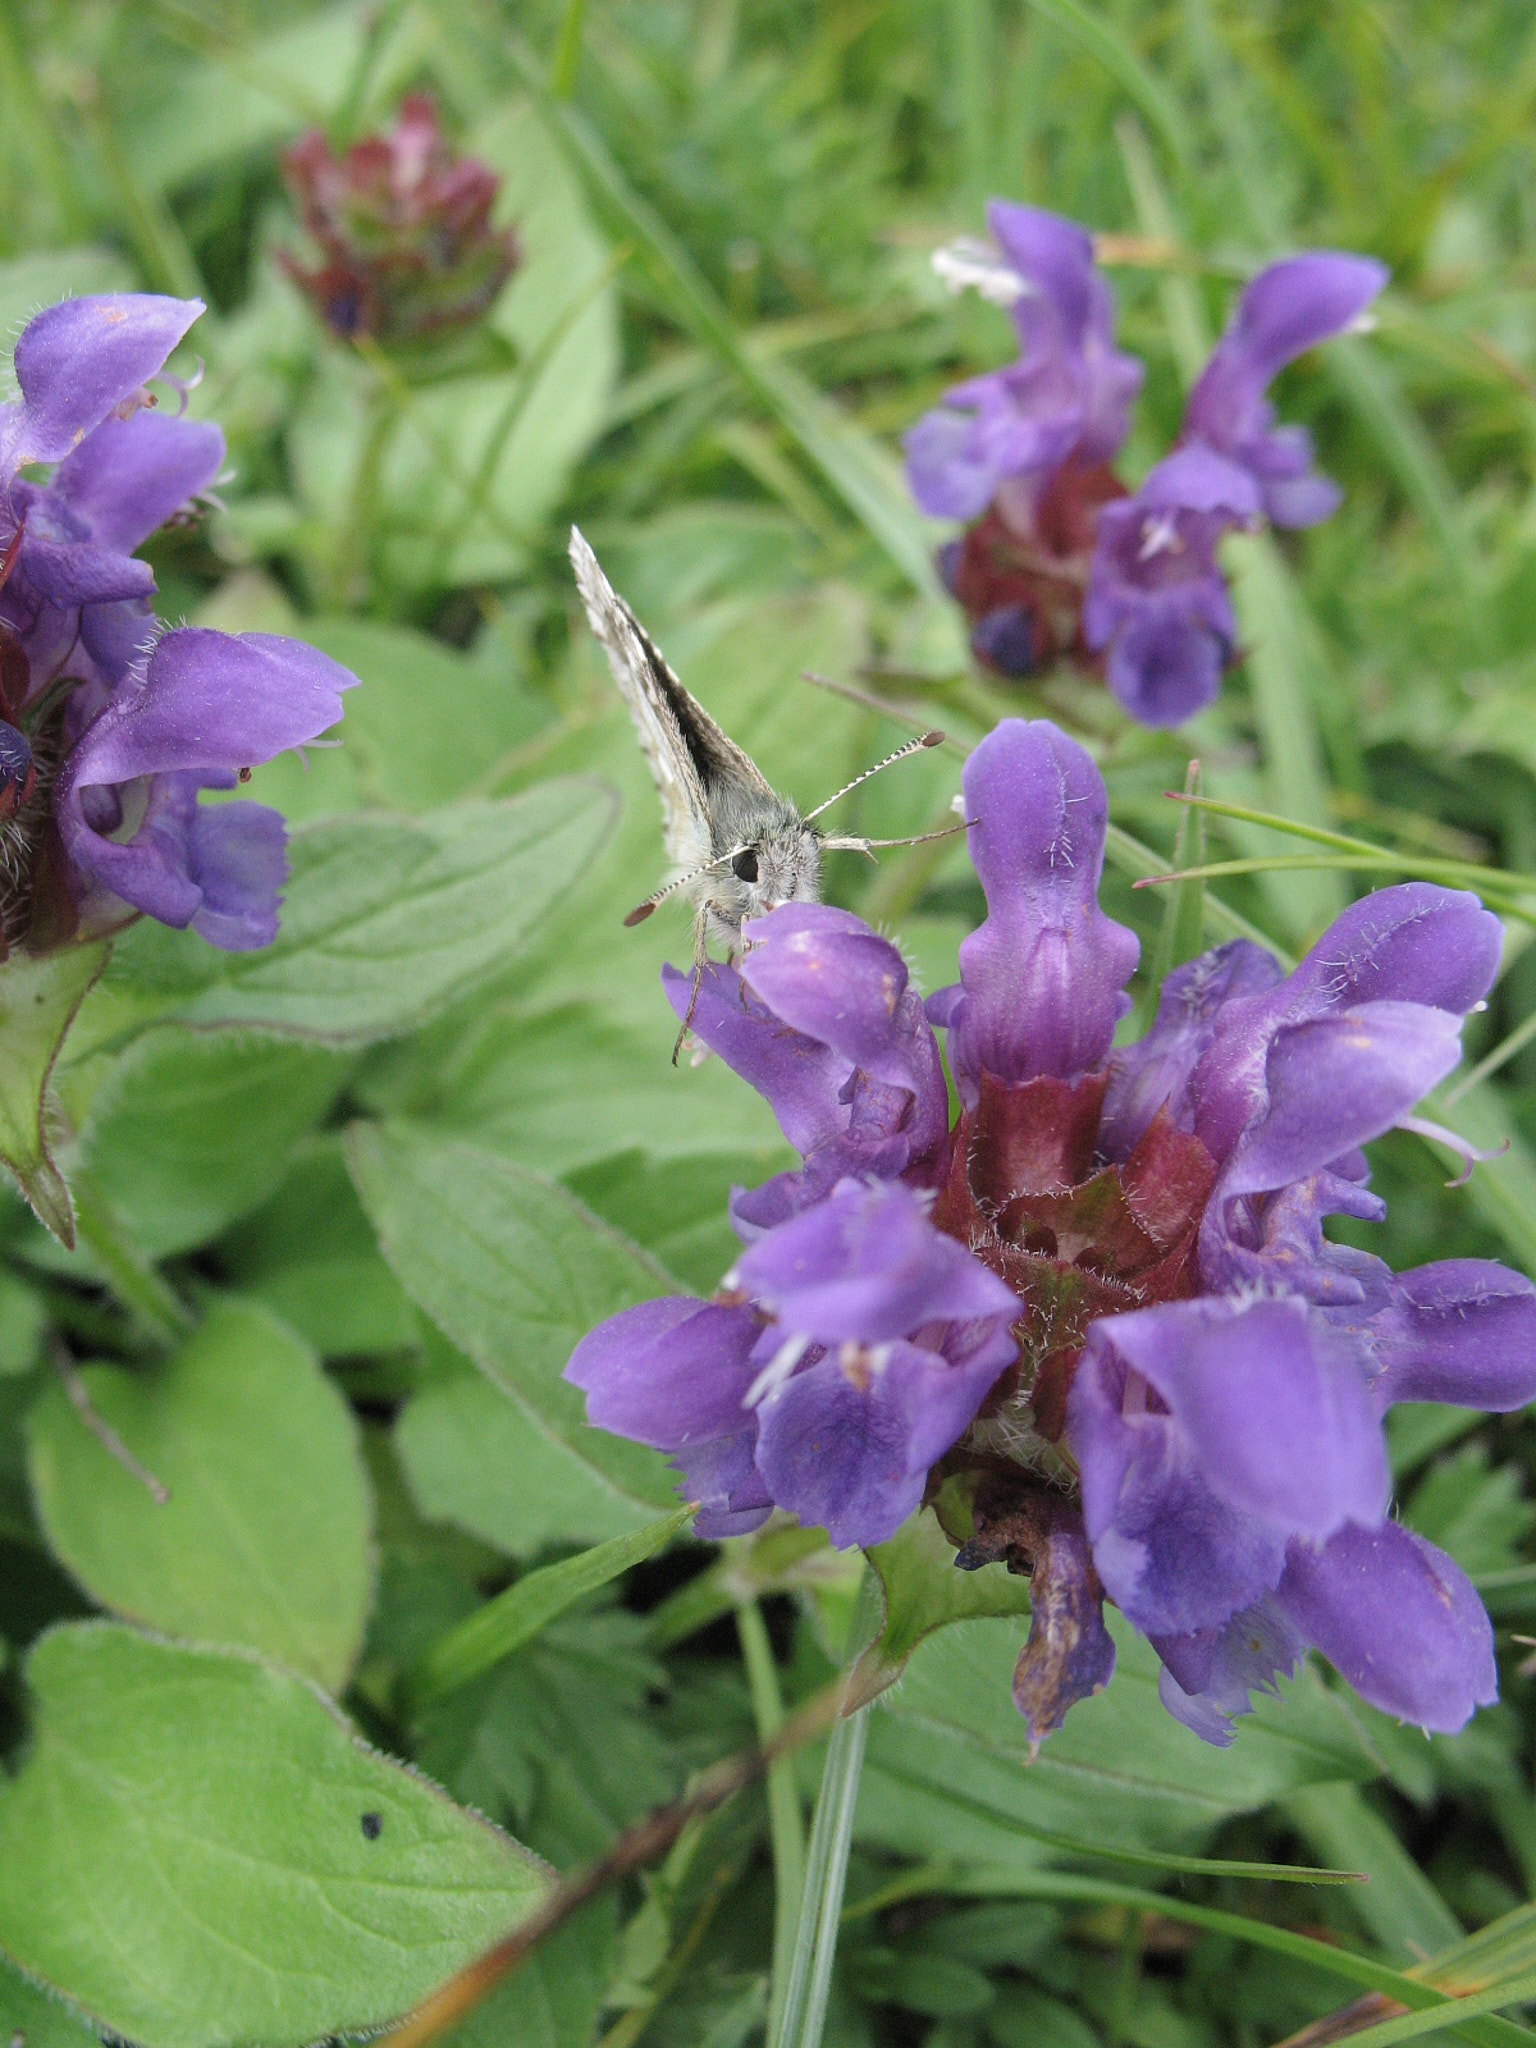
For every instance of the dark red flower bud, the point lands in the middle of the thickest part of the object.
(404, 230)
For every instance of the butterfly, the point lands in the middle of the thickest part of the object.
(739, 848)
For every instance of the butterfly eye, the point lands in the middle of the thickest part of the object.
(744, 866)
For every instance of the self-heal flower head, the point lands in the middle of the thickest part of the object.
(1067, 395)
(1135, 1365)
(854, 1346)
(125, 725)
(1157, 600)
(404, 230)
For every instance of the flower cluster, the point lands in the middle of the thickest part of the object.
(1097, 1323)
(1060, 559)
(404, 231)
(111, 727)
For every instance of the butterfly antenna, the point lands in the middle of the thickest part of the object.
(927, 739)
(643, 910)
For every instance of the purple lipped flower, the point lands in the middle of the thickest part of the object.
(1157, 600)
(201, 707)
(1117, 1353)
(853, 1346)
(1287, 309)
(820, 1019)
(1068, 394)
(1042, 978)
(115, 720)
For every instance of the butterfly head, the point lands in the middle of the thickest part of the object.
(778, 861)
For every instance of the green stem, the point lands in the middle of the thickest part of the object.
(804, 2010)
(786, 1827)
(350, 575)
(146, 1293)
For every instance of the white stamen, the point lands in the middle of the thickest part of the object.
(971, 265)
(777, 1370)
(1469, 1153)
(1160, 536)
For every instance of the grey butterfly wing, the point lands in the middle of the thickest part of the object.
(691, 760)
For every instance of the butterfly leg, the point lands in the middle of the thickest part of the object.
(700, 962)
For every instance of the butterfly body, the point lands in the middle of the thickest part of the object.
(738, 849)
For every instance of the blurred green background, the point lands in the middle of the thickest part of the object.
(724, 318)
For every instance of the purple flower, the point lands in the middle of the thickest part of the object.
(869, 1343)
(1288, 308)
(131, 723)
(1156, 596)
(1041, 979)
(1067, 395)
(1118, 1352)
(821, 1021)
(202, 707)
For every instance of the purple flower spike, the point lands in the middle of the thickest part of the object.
(204, 706)
(1067, 395)
(1041, 979)
(1398, 1620)
(1156, 596)
(1288, 308)
(80, 361)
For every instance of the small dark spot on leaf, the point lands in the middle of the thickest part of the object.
(373, 1826)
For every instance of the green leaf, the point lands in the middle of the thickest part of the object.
(1288, 672)
(1091, 32)
(1400, 1908)
(923, 1591)
(554, 2000)
(310, 1254)
(427, 724)
(480, 1642)
(384, 921)
(38, 1001)
(190, 1130)
(474, 1457)
(944, 1774)
(514, 1272)
(265, 1539)
(214, 1883)
(1181, 935)
(35, 2020)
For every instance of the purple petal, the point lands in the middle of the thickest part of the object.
(237, 860)
(668, 1373)
(130, 476)
(1054, 258)
(1337, 1082)
(849, 1450)
(211, 701)
(1287, 309)
(76, 573)
(1070, 1655)
(79, 361)
(800, 1078)
(1461, 1330)
(1042, 975)
(1398, 1620)
(1166, 666)
(1197, 479)
(1274, 1407)
(829, 976)
(1414, 943)
(722, 1477)
(950, 473)
(1207, 1679)
(1155, 1071)
(866, 1266)
(1173, 1556)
